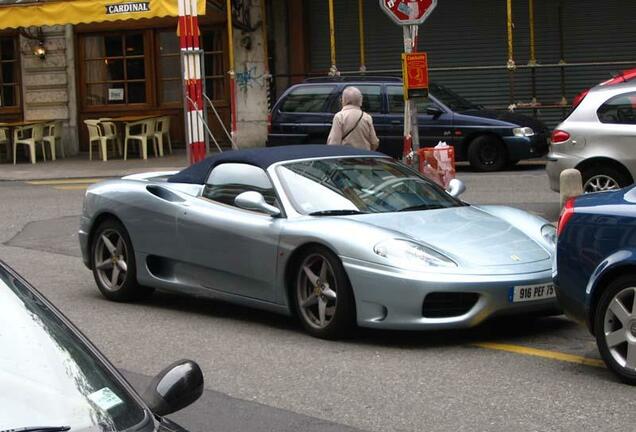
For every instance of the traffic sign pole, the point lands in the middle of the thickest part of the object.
(409, 14)
(411, 130)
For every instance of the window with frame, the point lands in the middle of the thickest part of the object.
(308, 99)
(371, 99)
(229, 180)
(619, 110)
(396, 101)
(170, 84)
(9, 74)
(213, 42)
(115, 69)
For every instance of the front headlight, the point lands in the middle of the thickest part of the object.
(523, 132)
(410, 255)
(548, 232)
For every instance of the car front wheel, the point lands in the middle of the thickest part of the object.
(322, 295)
(615, 328)
(487, 153)
(114, 267)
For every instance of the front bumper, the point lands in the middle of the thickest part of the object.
(557, 162)
(526, 147)
(390, 298)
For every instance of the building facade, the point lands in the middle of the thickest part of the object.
(552, 50)
(133, 67)
(556, 48)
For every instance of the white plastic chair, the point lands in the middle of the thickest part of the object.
(53, 135)
(141, 131)
(109, 130)
(29, 136)
(95, 135)
(162, 129)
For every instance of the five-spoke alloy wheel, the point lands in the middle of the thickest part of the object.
(113, 261)
(322, 294)
(615, 327)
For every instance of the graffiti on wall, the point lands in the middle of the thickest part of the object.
(250, 77)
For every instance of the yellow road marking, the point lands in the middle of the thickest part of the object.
(66, 181)
(72, 187)
(552, 355)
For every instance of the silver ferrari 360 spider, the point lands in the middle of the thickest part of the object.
(333, 235)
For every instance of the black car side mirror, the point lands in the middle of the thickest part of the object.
(174, 388)
(434, 111)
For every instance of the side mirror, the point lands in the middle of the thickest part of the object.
(174, 388)
(455, 188)
(255, 201)
(434, 111)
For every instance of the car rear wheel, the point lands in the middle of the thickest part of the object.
(487, 153)
(322, 295)
(603, 179)
(114, 267)
(615, 328)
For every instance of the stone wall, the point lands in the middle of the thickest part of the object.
(48, 85)
(252, 82)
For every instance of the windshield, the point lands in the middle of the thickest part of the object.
(359, 185)
(49, 377)
(451, 99)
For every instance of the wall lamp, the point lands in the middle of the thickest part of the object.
(39, 50)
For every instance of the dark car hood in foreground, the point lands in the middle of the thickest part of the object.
(469, 235)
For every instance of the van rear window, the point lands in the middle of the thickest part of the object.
(309, 99)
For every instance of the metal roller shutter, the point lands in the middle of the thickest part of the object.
(467, 46)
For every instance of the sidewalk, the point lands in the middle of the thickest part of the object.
(80, 167)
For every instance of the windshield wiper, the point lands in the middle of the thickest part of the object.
(336, 213)
(422, 207)
(39, 429)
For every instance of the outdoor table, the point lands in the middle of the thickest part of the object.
(14, 124)
(131, 119)
(134, 118)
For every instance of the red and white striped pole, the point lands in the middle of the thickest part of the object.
(231, 72)
(191, 56)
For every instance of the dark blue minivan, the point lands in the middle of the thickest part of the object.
(595, 275)
(489, 140)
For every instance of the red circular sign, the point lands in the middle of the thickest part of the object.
(408, 11)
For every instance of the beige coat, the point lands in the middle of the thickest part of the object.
(362, 137)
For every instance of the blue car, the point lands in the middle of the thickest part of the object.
(596, 273)
(489, 140)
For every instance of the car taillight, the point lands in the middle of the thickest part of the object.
(269, 123)
(579, 98)
(559, 136)
(566, 215)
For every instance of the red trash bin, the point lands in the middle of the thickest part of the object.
(437, 163)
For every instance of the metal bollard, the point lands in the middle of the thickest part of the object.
(571, 184)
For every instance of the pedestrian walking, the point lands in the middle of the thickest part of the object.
(352, 126)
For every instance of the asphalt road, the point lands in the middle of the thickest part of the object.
(264, 374)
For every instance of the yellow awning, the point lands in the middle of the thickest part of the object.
(59, 12)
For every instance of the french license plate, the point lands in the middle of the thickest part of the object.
(526, 293)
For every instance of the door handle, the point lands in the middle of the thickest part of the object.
(396, 122)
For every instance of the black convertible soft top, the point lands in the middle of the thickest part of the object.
(263, 158)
